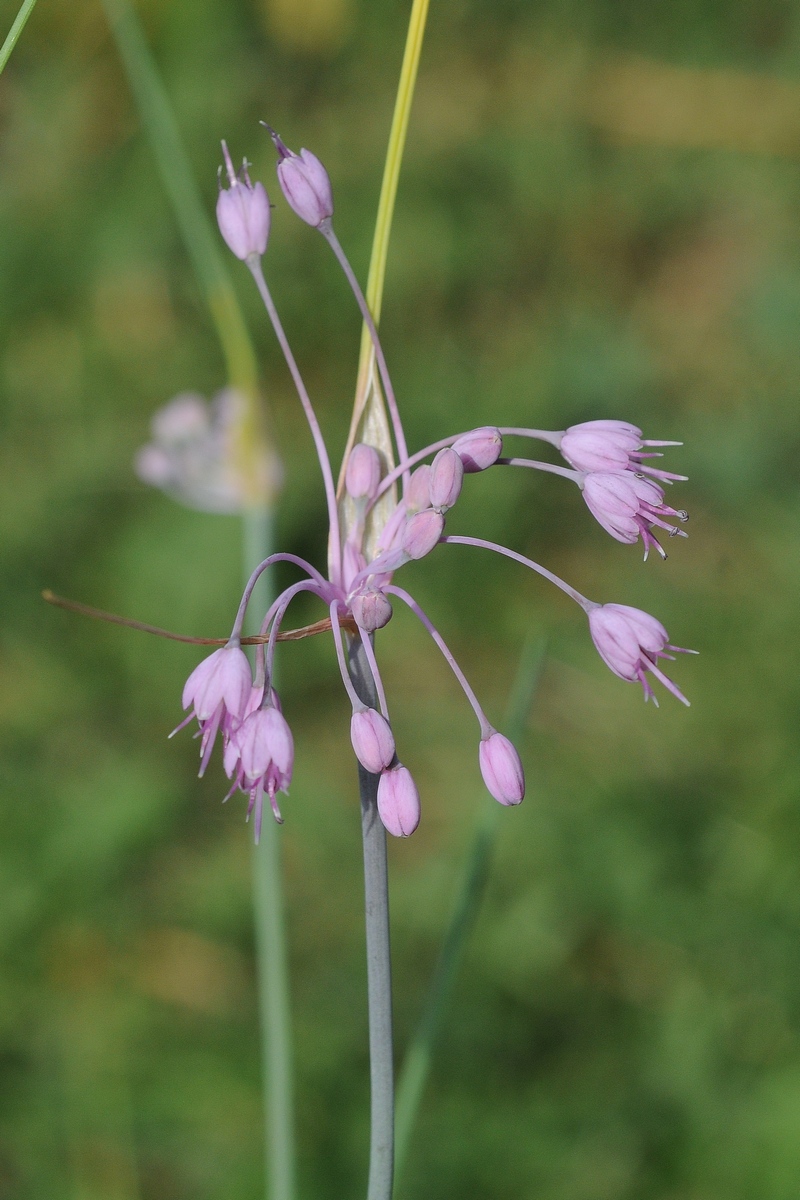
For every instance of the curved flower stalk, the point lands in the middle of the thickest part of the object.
(609, 460)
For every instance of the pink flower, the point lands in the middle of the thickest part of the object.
(260, 759)
(501, 769)
(628, 506)
(243, 213)
(630, 642)
(218, 691)
(611, 446)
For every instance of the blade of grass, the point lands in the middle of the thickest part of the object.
(16, 29)
(417, 1062)
(369, 405)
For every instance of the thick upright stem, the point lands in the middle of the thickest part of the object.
(379, 966)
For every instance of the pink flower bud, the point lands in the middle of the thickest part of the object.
(479, 449)
(373, 741)
(363, 472)
(447, 475)
(305, 183)
(501, 769)
(422, 532)
(418, 493)
(371, 610)
(398, 801)
(243, 213)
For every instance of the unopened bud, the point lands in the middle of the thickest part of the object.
(422, 532)
(447, 475)
(398, 801)
(501, 769)
(373, 740)
(479, 449)
(243, 212)
(418, 494)
(363, 472)
(371, 610)
(305, 183)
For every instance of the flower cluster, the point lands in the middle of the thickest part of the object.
(387, 515)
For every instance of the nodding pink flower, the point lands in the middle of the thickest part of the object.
(627, 506)
(218, 691)
(373, 740)
(479, 449)
(261, 760)
(398, 801)
(630, 642)
(243, 212)
(611, 446)
(501, 769)
(305, 183)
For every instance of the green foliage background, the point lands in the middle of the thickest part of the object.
(598, 216)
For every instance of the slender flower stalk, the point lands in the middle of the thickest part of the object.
(322, 453)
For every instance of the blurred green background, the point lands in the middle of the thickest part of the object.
(597, 217)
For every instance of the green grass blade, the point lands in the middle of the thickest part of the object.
(25, 10)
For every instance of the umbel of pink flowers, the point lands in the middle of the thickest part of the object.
(609, 461)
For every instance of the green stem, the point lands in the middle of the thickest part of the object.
(417, 1062)
(271, 956)
(379, 963)
(16, 29)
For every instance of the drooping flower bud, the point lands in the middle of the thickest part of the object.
(363, 473)
(501, 769)
(371, 610)
(422, 532)
(305, 183)
(479, 449)
(418, 493)
(398, 801)
(243, 212)
(447, 475)
(373, 740)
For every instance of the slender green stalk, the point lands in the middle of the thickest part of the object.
(417, 1062)
(271, 956)
(25, 10)
(379, 963)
